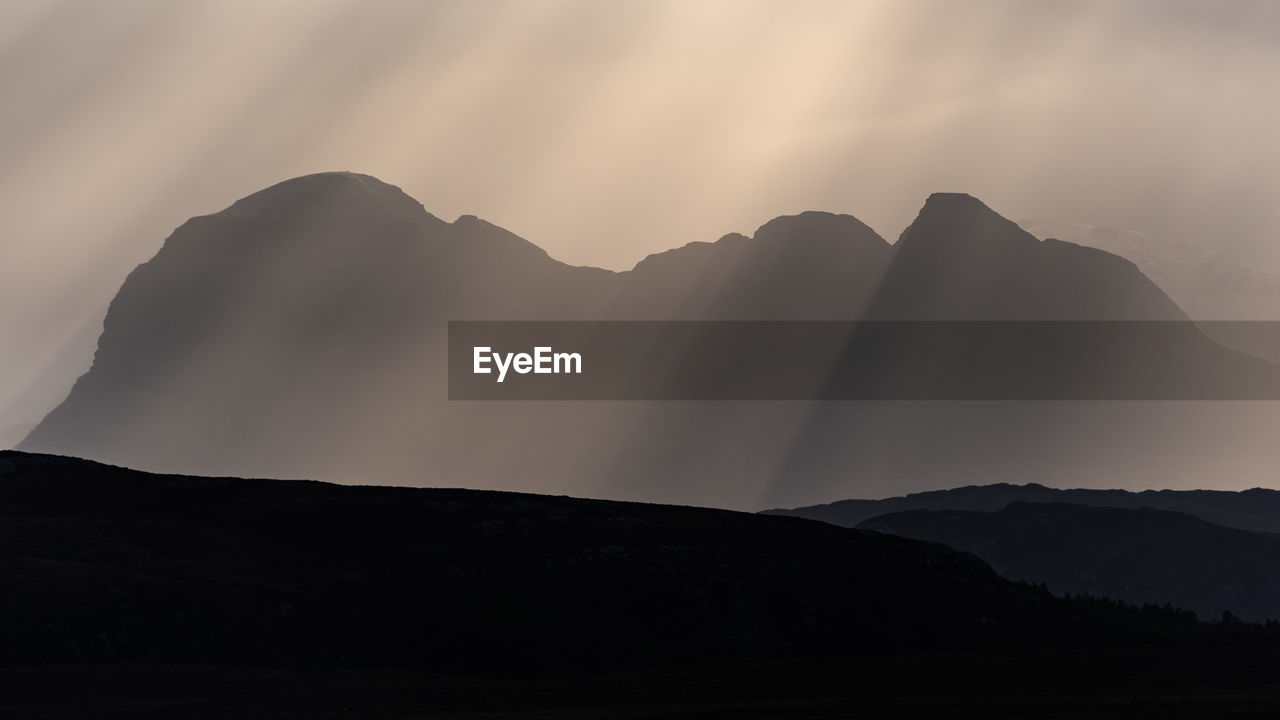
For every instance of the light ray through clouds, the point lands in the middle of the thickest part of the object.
(605, 131)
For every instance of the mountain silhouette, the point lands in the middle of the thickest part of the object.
(1135, 555)
(256, 334)
(959, 260)
(115, 565)
(135, 593)
(1207, 284)
(1256, 510)
(301, 332)
(1236, 304)
(811, 266)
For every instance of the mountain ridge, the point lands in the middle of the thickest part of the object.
(1255, 509)
(303, 337)
(1137, 555)
(233, 571)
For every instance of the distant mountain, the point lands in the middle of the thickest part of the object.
(811, 266)
(104, 564)
(301, 332)
(299, 315)
(1207, 284)
(1256, 510)
(1138, 556)
(961, 260)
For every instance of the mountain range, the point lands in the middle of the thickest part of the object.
(300, 332)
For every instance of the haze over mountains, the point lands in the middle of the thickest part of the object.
(13, 434)
(1207, 284)
(300, 333)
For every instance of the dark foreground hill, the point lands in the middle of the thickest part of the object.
(110, 565)
(135, 595)
(1257, 509)
(1139, 556)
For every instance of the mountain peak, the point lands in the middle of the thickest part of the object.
(820, 226)
(961, 260)
(327, 193)
(963, 220)
(957, 199)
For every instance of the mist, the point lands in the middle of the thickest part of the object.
(606, 131)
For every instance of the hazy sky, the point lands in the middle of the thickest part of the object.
(606, 129)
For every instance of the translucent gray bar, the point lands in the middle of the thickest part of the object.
(868, 360)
